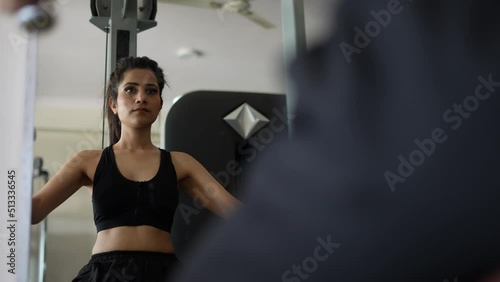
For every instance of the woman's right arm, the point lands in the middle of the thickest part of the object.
(66, 182)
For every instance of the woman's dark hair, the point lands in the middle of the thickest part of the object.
(116, 77)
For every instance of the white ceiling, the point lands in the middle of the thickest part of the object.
(239, 55)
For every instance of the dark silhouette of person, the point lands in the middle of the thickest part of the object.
(393, 172)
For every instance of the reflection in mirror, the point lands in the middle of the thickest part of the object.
(238, 56)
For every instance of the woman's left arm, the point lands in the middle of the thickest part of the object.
(195, 180)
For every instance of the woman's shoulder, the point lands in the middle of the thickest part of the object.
(84, 157)
(179, 154)
(182, 157)
(182, 162)
(89, 154)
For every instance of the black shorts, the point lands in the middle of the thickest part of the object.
(128, 266)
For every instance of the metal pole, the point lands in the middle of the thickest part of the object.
(18, 74)
(123, 31)
(123, 19)
(294, 43)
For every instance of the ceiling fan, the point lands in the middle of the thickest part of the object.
(241, 7)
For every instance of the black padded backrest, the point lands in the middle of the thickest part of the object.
(195, 124)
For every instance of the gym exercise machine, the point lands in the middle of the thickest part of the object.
(122, 19)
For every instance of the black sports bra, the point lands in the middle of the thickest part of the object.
(118, 201)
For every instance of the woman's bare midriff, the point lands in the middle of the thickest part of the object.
(133, 238)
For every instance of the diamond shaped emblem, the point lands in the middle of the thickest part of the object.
(246, 120)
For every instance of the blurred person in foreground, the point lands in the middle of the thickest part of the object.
(32, 15)
(10, 6)
(392, 173)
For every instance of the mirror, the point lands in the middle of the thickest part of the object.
(233, 54)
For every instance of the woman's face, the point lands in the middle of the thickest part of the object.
(138, 102)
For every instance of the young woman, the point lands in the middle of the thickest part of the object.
(134, 185)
